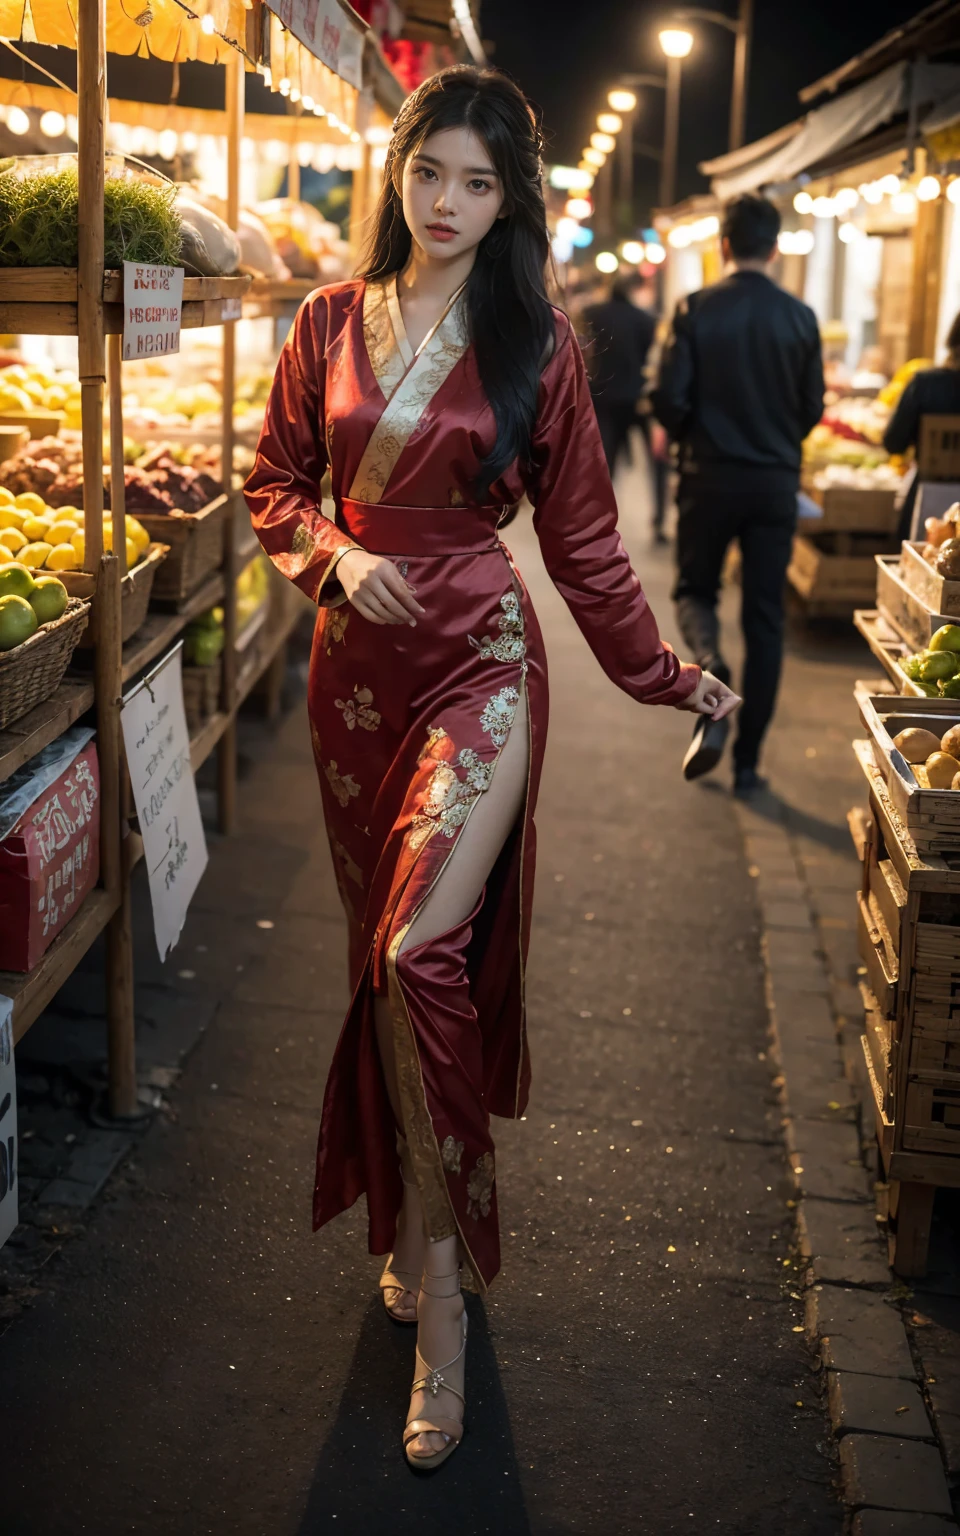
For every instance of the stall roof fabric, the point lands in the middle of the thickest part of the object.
(837, 125)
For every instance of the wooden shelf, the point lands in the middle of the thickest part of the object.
(269, 639)
(884, 642)
(161, 629)
(42, 301)
(34, 731)
(253, 627)
(33, 991)
(247, 547)
(266, 298)
(205, 739)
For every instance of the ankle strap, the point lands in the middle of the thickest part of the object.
(442, 1295)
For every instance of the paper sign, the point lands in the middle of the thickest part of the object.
(9, 1211)
(333, 33)
(165, 795)
(230, 309)
(152, 301)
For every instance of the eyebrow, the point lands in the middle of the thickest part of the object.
(474, 170)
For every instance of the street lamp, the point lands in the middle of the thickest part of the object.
(609, 122)
(676, 44)
(621, 101)
(603, 141)
(676, 37)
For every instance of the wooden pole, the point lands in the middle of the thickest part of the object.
(91, 118)
(115, 854)
(227, 746)
(118, 485)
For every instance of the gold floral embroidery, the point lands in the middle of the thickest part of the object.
(344, 786)
(480, 1187)
(435, 736)
(509, 645)
(358, 711)
(450, 1154)
(378, 335)
(449, 799)
(499, 713)
(407, 404)
(335, 626)
(455, 498)
(350, 865)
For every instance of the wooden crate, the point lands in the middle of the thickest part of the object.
(939, 594)
(879, 1047)
(931, 816)
(847, 508)
(135, 590)
(196, 548)
(201, 693)
(909, 614)
(830, 580)
(878, 952)
(931, 1116)
(938, 452)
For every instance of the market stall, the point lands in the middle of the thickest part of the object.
(144, 539)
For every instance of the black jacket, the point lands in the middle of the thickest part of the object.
(741, 377)
(620, 337)
(934, 392)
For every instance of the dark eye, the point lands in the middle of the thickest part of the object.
(480, 186)
(424, 170)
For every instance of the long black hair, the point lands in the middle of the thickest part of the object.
(510, 320)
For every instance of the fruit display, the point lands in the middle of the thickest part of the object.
(890, 393)
(253, 586)
(52, 469)
(39, 536)
(32, 386)
(39, 202)
(203, 638)
(309, 246)
(849, 434)
(935, 762)
(936, 670)
(26, 603)
(884, 476)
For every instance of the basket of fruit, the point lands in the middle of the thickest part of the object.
(935, 671)
(40, 626)
(202, 668)
(50, 539)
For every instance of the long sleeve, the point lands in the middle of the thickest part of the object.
(283, 488)
(811, 386)
(575, 518)
(903, 428)
(672, 395)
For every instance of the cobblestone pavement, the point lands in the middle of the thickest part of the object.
(193, 1361)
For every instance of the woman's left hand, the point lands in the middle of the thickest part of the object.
(713, 698)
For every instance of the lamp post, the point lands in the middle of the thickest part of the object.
(741, 26)
(676, 43)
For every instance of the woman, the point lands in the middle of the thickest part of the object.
(440, 387)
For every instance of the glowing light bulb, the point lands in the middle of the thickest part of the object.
(848, 233)
(803, 202)
(632, 251)
(676, 42)
(578, 208)
(845, 199)
(167, 144)
(17, 120)
(595, 157)
(953, 191)
(904, 203)
(621, 101)
(606, 261)
(609, 122)
(206, 25)
(654, 253)
(53, 124)
(823, 208)
(927, 190)
(605, 142)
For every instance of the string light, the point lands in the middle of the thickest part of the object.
(803, 202)
(953, 191)
(632, 251)
(654, 253)
(53, 124)
(621, 101)
(927, 190)
(605, 142)
(206, 25)
(609, 122)
(17, 121)
(606, 261)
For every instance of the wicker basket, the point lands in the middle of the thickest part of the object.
(31, 672)
(196, 548)
(135, 592)
(201, 693)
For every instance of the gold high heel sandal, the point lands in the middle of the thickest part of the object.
(435, 1379)
(402, 1282)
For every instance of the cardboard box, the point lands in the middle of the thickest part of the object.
(49, 862)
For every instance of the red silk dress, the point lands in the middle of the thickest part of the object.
(408, 723)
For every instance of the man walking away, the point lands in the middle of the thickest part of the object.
(620, 333)
(740, 386)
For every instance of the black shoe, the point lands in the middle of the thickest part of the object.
(747, 782)
(706, 748)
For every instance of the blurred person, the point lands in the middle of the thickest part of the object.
(740, 386)
(620, 333)
(439, 387)
(931, 392)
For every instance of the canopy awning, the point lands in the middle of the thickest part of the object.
(837, 125)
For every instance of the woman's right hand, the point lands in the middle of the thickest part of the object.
(376, 589)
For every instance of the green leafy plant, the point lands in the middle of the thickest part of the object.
(38, 220)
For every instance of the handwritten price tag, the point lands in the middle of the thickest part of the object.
(165, 795)
(152, 306)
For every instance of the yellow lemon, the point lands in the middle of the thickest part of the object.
(67, 515)
(133, 554)
(10, 517)
(63, 557)
(14, 399)
(61, 532)
(33, 556)
(29, 501)
(54, 398)
(137, 533)
(6, 497)
(13, 539)
(36, 527)
(78, 543)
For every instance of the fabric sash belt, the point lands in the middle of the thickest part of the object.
(424, 531)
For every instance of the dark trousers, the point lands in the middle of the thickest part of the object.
(615, 418)
(758, 508)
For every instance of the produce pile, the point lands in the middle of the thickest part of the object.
(41, 537)
(307, 245)
(884, 476)
(52, 469)
(32, 386)
(942, 549)
(168, 407)
(27, 602)
(935, 761)
(203, 638)
(936, 671)
(890, 393)
(38, 215)
(252, 589)
(849, 434)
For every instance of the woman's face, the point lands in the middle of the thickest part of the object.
(451, 193)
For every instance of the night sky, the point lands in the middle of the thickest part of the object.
(567, 53)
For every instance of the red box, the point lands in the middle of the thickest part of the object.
(48, 863)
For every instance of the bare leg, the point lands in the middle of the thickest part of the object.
(410, 1242)
(453, 898)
